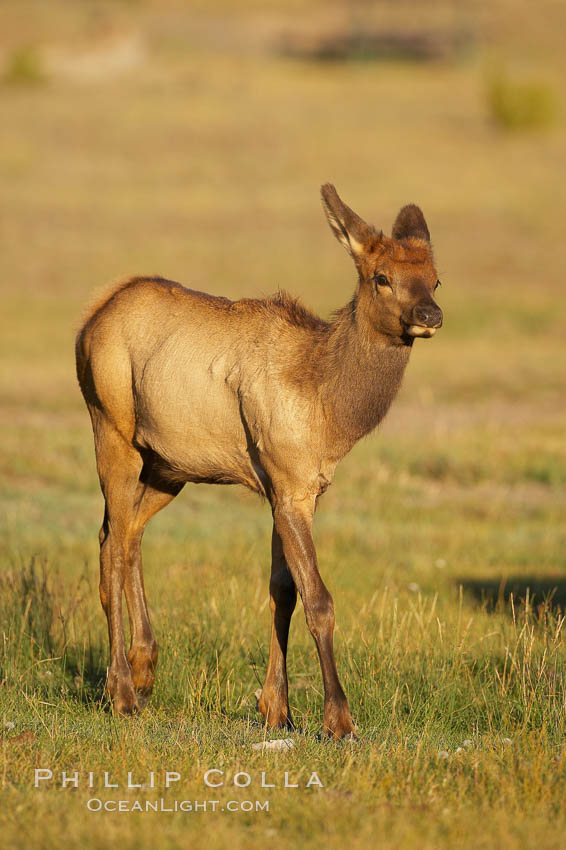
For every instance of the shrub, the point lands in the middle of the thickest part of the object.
(23, 68)
(519, 105)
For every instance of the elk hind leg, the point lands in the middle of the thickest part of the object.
(119, 466)
(152, 495)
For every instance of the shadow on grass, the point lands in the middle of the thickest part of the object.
(502, 593)
(44, 615)
(87, 672)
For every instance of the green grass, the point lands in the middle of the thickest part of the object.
(442, 538)
(460, 714)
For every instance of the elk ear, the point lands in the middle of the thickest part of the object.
(350, 230)
(411, 223)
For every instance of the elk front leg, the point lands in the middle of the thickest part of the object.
(293, 521)
(273, 701)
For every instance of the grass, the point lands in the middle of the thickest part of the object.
(460, 713)
(442, 538)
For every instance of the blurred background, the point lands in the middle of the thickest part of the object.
(190, 140)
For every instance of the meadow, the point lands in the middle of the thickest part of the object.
(160, 139)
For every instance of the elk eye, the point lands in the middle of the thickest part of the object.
(381, 280)
(437, 284)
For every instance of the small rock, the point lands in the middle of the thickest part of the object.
(274, 745)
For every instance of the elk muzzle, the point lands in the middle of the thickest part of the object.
(425, 320)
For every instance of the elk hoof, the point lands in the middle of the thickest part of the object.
(344, 733)
(125, 703)
(122, 693)
(142, 663)
(275, 712)
(338, 724)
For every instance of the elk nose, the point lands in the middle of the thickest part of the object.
(428, 315)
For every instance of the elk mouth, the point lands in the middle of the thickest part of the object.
(421, 331)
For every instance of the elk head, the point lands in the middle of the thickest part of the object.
(397, 278)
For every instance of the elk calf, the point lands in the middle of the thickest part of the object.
(183, 386)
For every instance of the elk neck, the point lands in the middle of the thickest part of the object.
(360, 372)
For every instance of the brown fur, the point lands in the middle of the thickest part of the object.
(184, 386)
